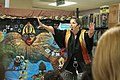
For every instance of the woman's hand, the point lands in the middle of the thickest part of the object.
(40, 24)
(61, 62)
(48, 28)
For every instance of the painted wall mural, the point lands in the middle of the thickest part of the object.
(26, 52)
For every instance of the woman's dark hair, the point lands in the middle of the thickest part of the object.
(79, 22)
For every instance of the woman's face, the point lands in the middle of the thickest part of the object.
(73, 24)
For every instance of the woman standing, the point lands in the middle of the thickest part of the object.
(78, 43)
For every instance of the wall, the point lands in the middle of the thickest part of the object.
(86, 12)
(113, 14)
(26, 4)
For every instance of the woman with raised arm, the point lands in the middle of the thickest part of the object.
(77, 41)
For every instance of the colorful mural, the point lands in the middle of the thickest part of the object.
(26, 52)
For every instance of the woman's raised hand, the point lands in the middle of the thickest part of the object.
(40, 24)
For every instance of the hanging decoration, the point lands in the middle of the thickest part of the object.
(62, 18)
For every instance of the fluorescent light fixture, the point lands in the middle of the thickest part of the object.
(67, 3)
(7, 3)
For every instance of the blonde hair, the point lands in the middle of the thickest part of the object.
(106, 62)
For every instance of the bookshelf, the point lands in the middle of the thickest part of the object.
(101, 23)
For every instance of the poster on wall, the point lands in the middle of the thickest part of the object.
(27, 52)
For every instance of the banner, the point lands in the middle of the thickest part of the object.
(26, 51)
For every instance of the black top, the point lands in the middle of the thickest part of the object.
(74, 48)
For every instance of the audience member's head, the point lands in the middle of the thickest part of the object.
(106, 62)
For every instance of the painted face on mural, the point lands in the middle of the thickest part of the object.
(29, 38)
(28, 34)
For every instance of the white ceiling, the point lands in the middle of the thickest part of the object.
(81, 4)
